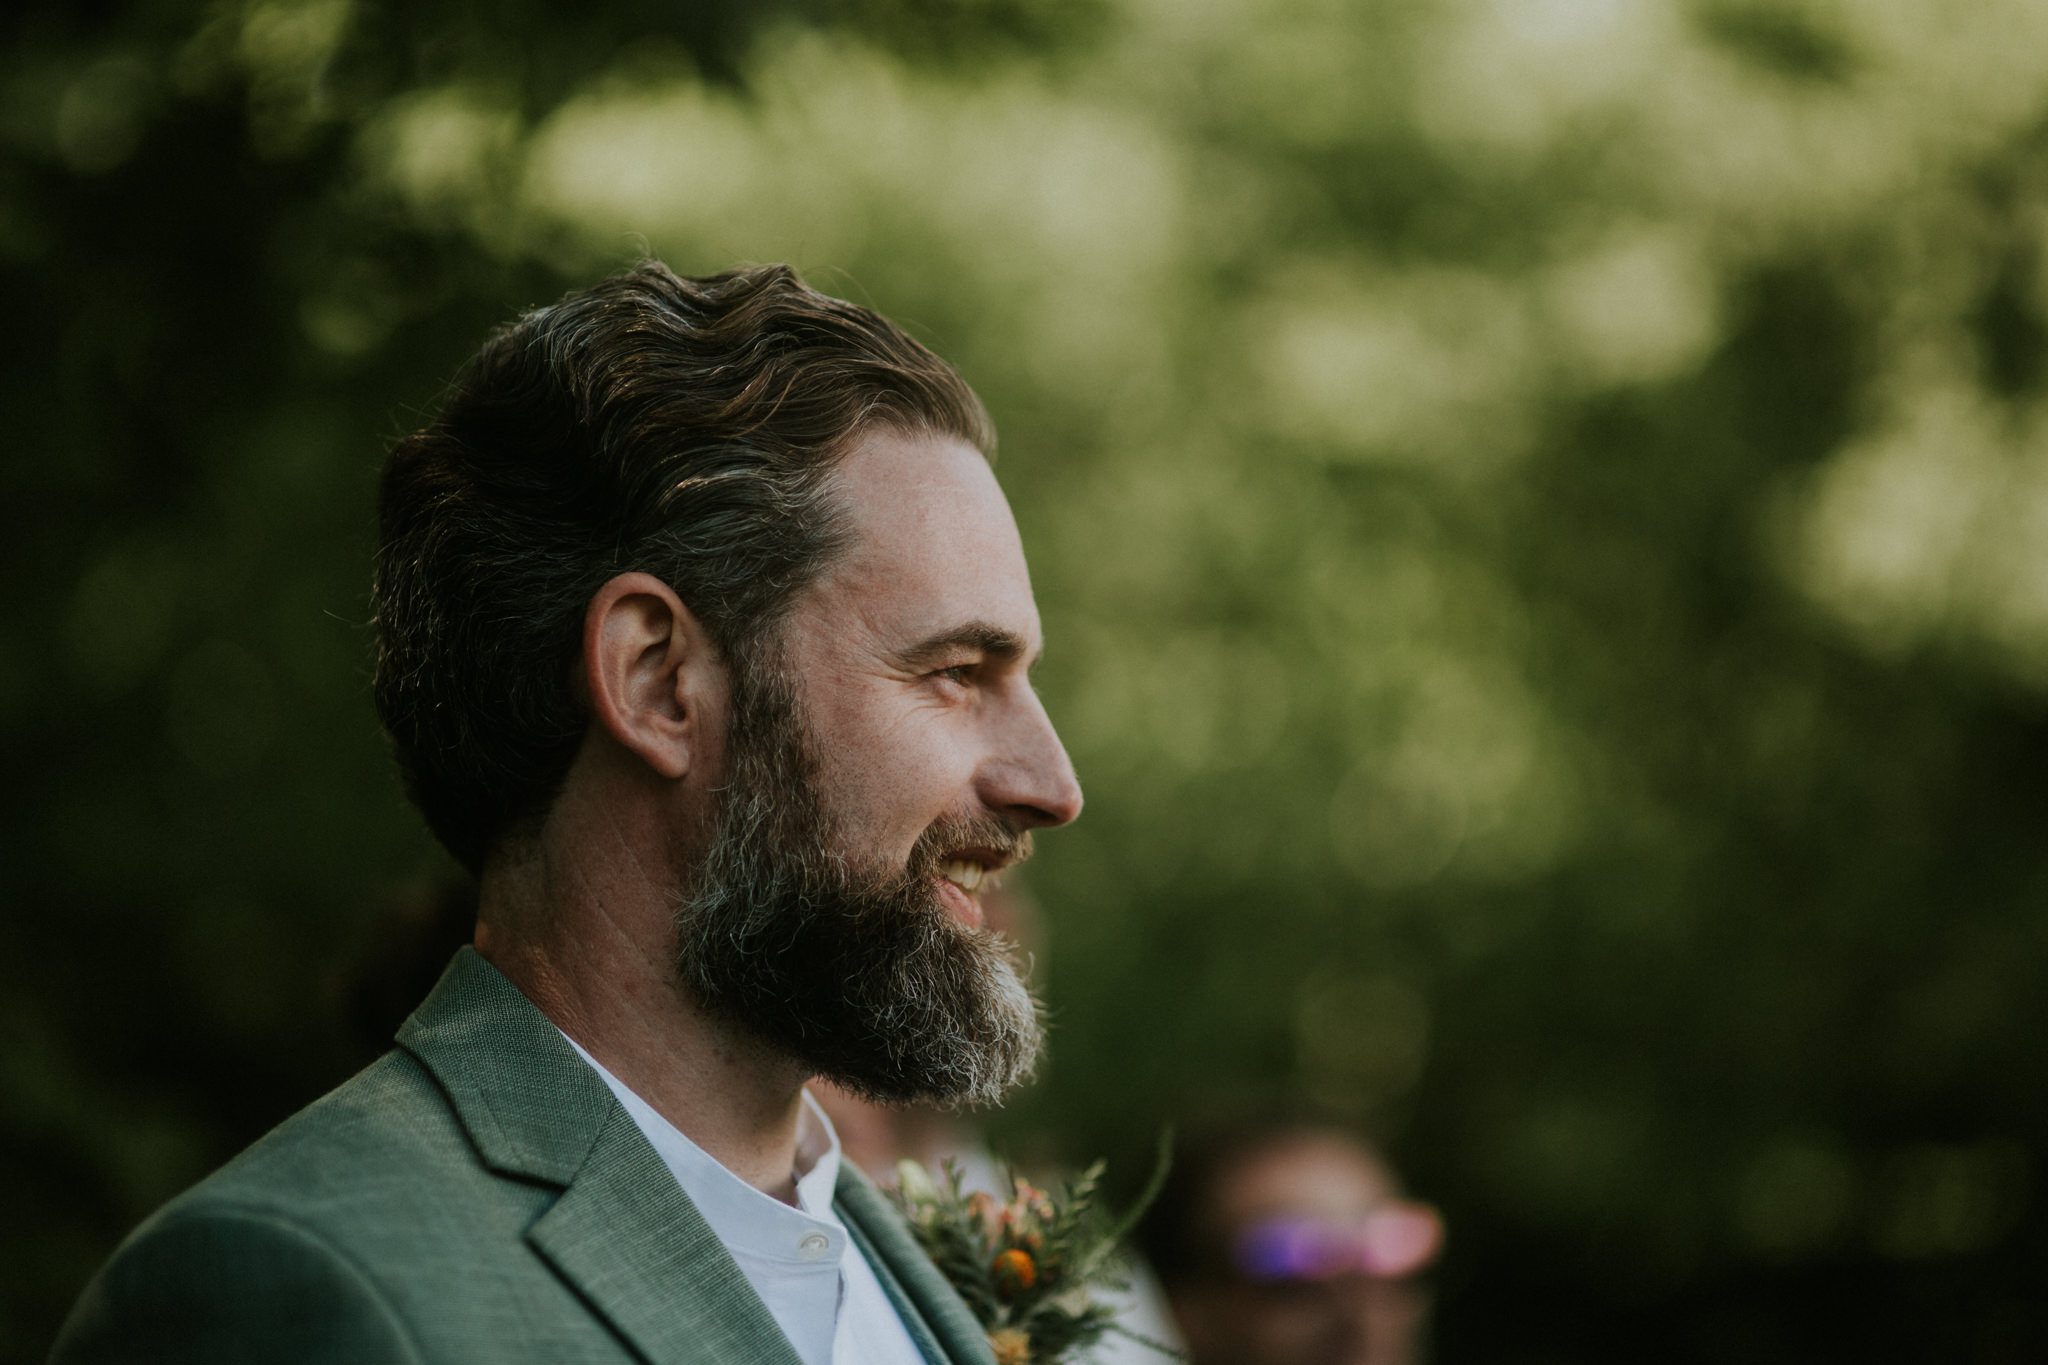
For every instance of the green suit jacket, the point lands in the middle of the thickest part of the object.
(477, 1194)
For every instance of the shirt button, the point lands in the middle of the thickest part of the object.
(813, 1245)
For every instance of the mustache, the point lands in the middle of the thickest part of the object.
(983, 834)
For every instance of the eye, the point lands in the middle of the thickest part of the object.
(958, 674)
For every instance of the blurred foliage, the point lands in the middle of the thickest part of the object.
(1540, 508)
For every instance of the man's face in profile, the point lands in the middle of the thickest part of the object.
(888, 757)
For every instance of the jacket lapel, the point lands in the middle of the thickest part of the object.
(625, 1234)
(921, 1294)
(622, 1232)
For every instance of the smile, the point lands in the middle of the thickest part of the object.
(961, 880)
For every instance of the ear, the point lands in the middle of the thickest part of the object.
(647, 664)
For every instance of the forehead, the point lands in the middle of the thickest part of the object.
(1309, 1177)
(932, 546)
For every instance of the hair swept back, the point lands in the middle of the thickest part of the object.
(684, 427)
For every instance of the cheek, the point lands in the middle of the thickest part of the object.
(924, 753)
(890, 787)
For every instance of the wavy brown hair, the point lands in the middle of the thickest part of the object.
(682, 427)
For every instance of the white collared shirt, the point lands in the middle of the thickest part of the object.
(816, 1284)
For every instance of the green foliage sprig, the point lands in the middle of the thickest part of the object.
(1027, 1265)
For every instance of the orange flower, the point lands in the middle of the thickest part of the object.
(1015, 1272)
(1011, 1346)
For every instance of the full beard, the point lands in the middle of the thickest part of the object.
(860, 977)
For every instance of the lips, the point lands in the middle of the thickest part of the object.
(964, 859)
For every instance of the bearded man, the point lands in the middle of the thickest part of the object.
(704, 634)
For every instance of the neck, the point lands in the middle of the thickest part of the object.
(585, 939)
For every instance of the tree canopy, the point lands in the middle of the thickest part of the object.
(1540, 511)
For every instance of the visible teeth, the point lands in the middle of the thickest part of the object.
(965, 875)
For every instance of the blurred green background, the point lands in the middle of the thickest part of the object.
(1540, 508)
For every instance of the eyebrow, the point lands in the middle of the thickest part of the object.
(982, 636)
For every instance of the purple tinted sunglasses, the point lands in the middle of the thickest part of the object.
(1390, 1243)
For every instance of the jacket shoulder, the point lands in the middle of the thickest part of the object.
(214, 1282)
(313, 1244)
(357, 1150)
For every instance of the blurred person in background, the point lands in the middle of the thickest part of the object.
(1292, 1244)
(703, 635)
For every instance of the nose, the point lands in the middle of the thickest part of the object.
(1031, 779)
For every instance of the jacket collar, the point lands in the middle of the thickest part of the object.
(622, 1232)
(531, 1106)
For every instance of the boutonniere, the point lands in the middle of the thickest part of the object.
(1028, 1264)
